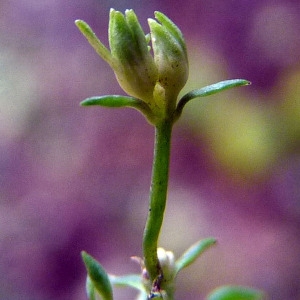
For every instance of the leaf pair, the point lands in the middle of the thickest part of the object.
(98, 281)
(127, 101)
(231, 292)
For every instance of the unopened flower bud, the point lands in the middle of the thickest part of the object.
(167, 263)
(170, 57)
(156, 79)
(134, 65)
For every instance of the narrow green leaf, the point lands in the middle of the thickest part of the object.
(209, 90)
(90, 288)
(120, 101)
(216, 87)
(89, 34)
(132, 280)
(192, 253)
(236, 293)
(112, 101)
(98, 277)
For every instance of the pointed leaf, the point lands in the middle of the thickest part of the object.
(112, 101)
(236, 293)
(216, 87)
(90, 289)
(193, 253)
(120, 101)
(98, 277)
(171, 27)
(209, 90)
(89, 34)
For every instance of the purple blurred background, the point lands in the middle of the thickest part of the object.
(77, 178)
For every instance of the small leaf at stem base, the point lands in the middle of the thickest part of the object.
(235, 293)
(192, 253)
(98, 277)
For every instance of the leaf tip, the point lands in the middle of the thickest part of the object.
(79, 23)
(247, 82)
(83, 103)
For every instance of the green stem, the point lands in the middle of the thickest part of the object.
(158, 197)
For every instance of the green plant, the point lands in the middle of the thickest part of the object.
(153, 83)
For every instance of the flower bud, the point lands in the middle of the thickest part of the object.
(155, 80)
(134, 66)
(170, 57)
(167, 263)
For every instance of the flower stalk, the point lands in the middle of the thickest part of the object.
(158, 197)
(152, 76)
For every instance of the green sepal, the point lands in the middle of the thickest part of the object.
(135, 68)
(229, 292)
(98, 278)
(192, 253)
(89, 34)
(171, 27)
(170, 56)
(207, 91)
(132, 280)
